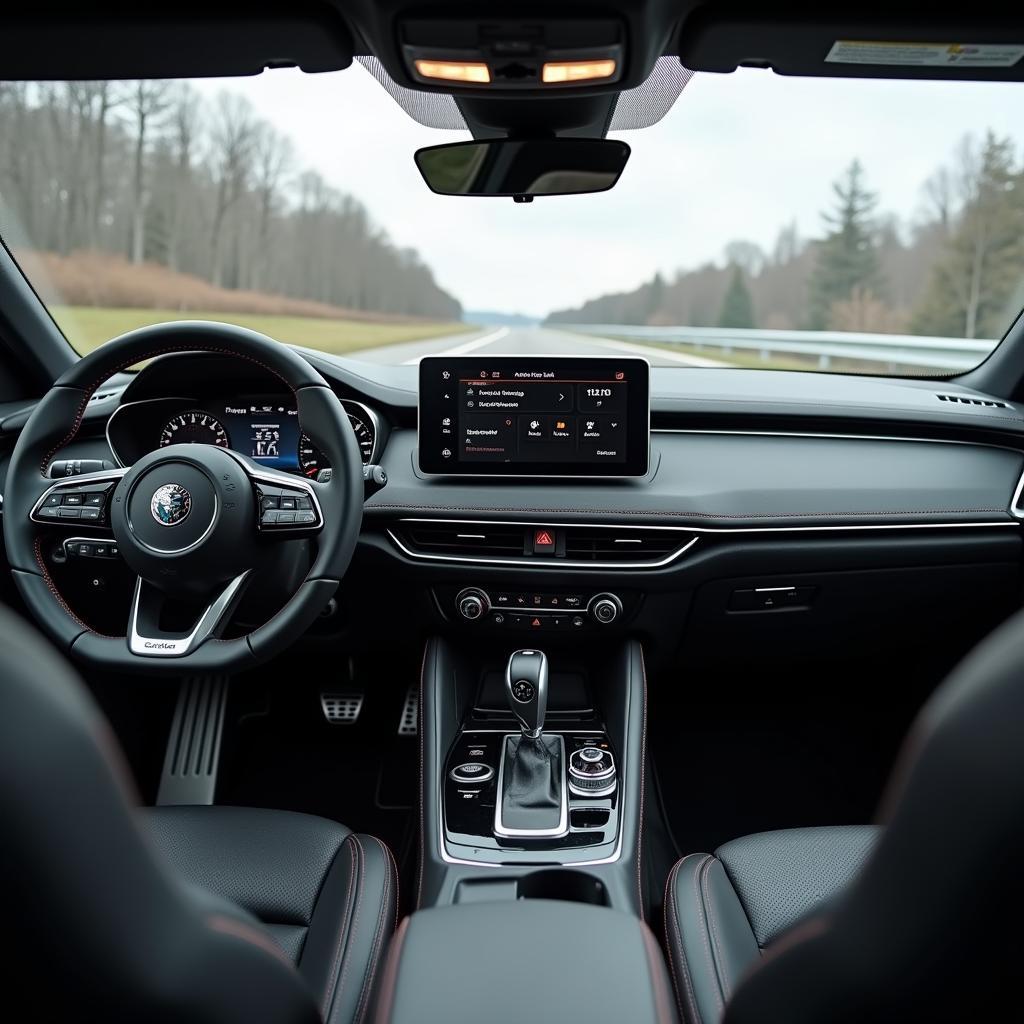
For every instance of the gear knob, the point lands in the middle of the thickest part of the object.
(526, 684)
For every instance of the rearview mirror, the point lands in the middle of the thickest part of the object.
(523, 168)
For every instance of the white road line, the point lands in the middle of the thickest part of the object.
(648, 351)
(463, 349)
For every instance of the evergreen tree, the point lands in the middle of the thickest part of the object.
(737, 305)
(847, 257)
(975, 286)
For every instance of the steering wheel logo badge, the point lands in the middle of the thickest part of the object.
(170, 504)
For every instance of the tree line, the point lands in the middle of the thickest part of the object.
(155, 172)
(957, 270)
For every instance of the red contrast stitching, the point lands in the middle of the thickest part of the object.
(704, 872)
(333, 975)
(191, 347)
(371, 966)
(704, 932)
(347, 959)
(669, 909)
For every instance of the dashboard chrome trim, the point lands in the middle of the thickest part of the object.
(534, 563)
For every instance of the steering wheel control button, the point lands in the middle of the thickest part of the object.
(284, 507)
(523, 691)
(472, 773)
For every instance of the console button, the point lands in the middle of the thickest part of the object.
(543, 542)
(472, 772)
(578, 622)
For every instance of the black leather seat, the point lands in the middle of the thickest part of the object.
(196, 914)
(916, 920)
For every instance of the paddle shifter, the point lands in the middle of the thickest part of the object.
(532, 800)
(526, 682)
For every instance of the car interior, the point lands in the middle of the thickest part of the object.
(512, 681)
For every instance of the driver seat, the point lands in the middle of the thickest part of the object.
(204, 914)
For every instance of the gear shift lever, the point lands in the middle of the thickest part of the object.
(526, 683)
(532, 801)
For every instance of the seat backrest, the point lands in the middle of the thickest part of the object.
(98, 927)
(931, 929)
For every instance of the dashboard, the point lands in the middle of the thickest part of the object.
(263, 426)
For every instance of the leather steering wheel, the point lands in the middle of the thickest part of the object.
(188, 519)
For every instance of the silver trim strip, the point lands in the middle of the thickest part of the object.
(560, 830)
(1015, 510)
(177, 647)
(538, 563)
(836, 437)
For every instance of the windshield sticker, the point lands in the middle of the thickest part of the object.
(924, 55)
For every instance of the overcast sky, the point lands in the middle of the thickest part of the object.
(737, 157)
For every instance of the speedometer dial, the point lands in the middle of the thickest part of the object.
(194, 427)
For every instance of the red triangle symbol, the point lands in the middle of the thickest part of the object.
(544, 539)
(536, 622)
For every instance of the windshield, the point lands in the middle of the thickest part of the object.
(812, 224)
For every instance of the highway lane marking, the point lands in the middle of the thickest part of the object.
(463, 349)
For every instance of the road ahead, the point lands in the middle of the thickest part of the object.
(514, 341)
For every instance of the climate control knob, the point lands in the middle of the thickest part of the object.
(605, 608)
(473, 604)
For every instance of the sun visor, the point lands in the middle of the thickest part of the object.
(110, 41)
(973, 44)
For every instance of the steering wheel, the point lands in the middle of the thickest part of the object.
(191, 521)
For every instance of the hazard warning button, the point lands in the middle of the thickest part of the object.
(543, 542)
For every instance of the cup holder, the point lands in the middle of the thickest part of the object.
(563, 884)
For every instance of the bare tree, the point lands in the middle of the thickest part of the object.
(273, 160)
(147, 101)
(232, 140)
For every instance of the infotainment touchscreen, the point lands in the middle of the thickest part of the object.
(534, 415)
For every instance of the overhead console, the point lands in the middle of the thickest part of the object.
(534, 416)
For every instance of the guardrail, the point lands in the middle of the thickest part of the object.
(891, 349)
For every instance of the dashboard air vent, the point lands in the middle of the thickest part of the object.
(967, 400)
(608, 544)
(467, 539)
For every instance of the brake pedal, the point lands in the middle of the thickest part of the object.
(408, 724)
(341, 708)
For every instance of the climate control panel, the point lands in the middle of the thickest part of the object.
(536, 611)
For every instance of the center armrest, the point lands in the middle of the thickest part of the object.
(510, 963)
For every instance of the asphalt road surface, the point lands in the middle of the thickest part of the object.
(514, 341)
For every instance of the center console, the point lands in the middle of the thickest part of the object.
(532, 762)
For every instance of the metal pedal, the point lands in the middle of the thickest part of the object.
(193, 746)
(341, 708)
(408, 724)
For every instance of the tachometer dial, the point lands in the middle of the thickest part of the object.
(194, 427)
(312, 460)
(364, 436)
